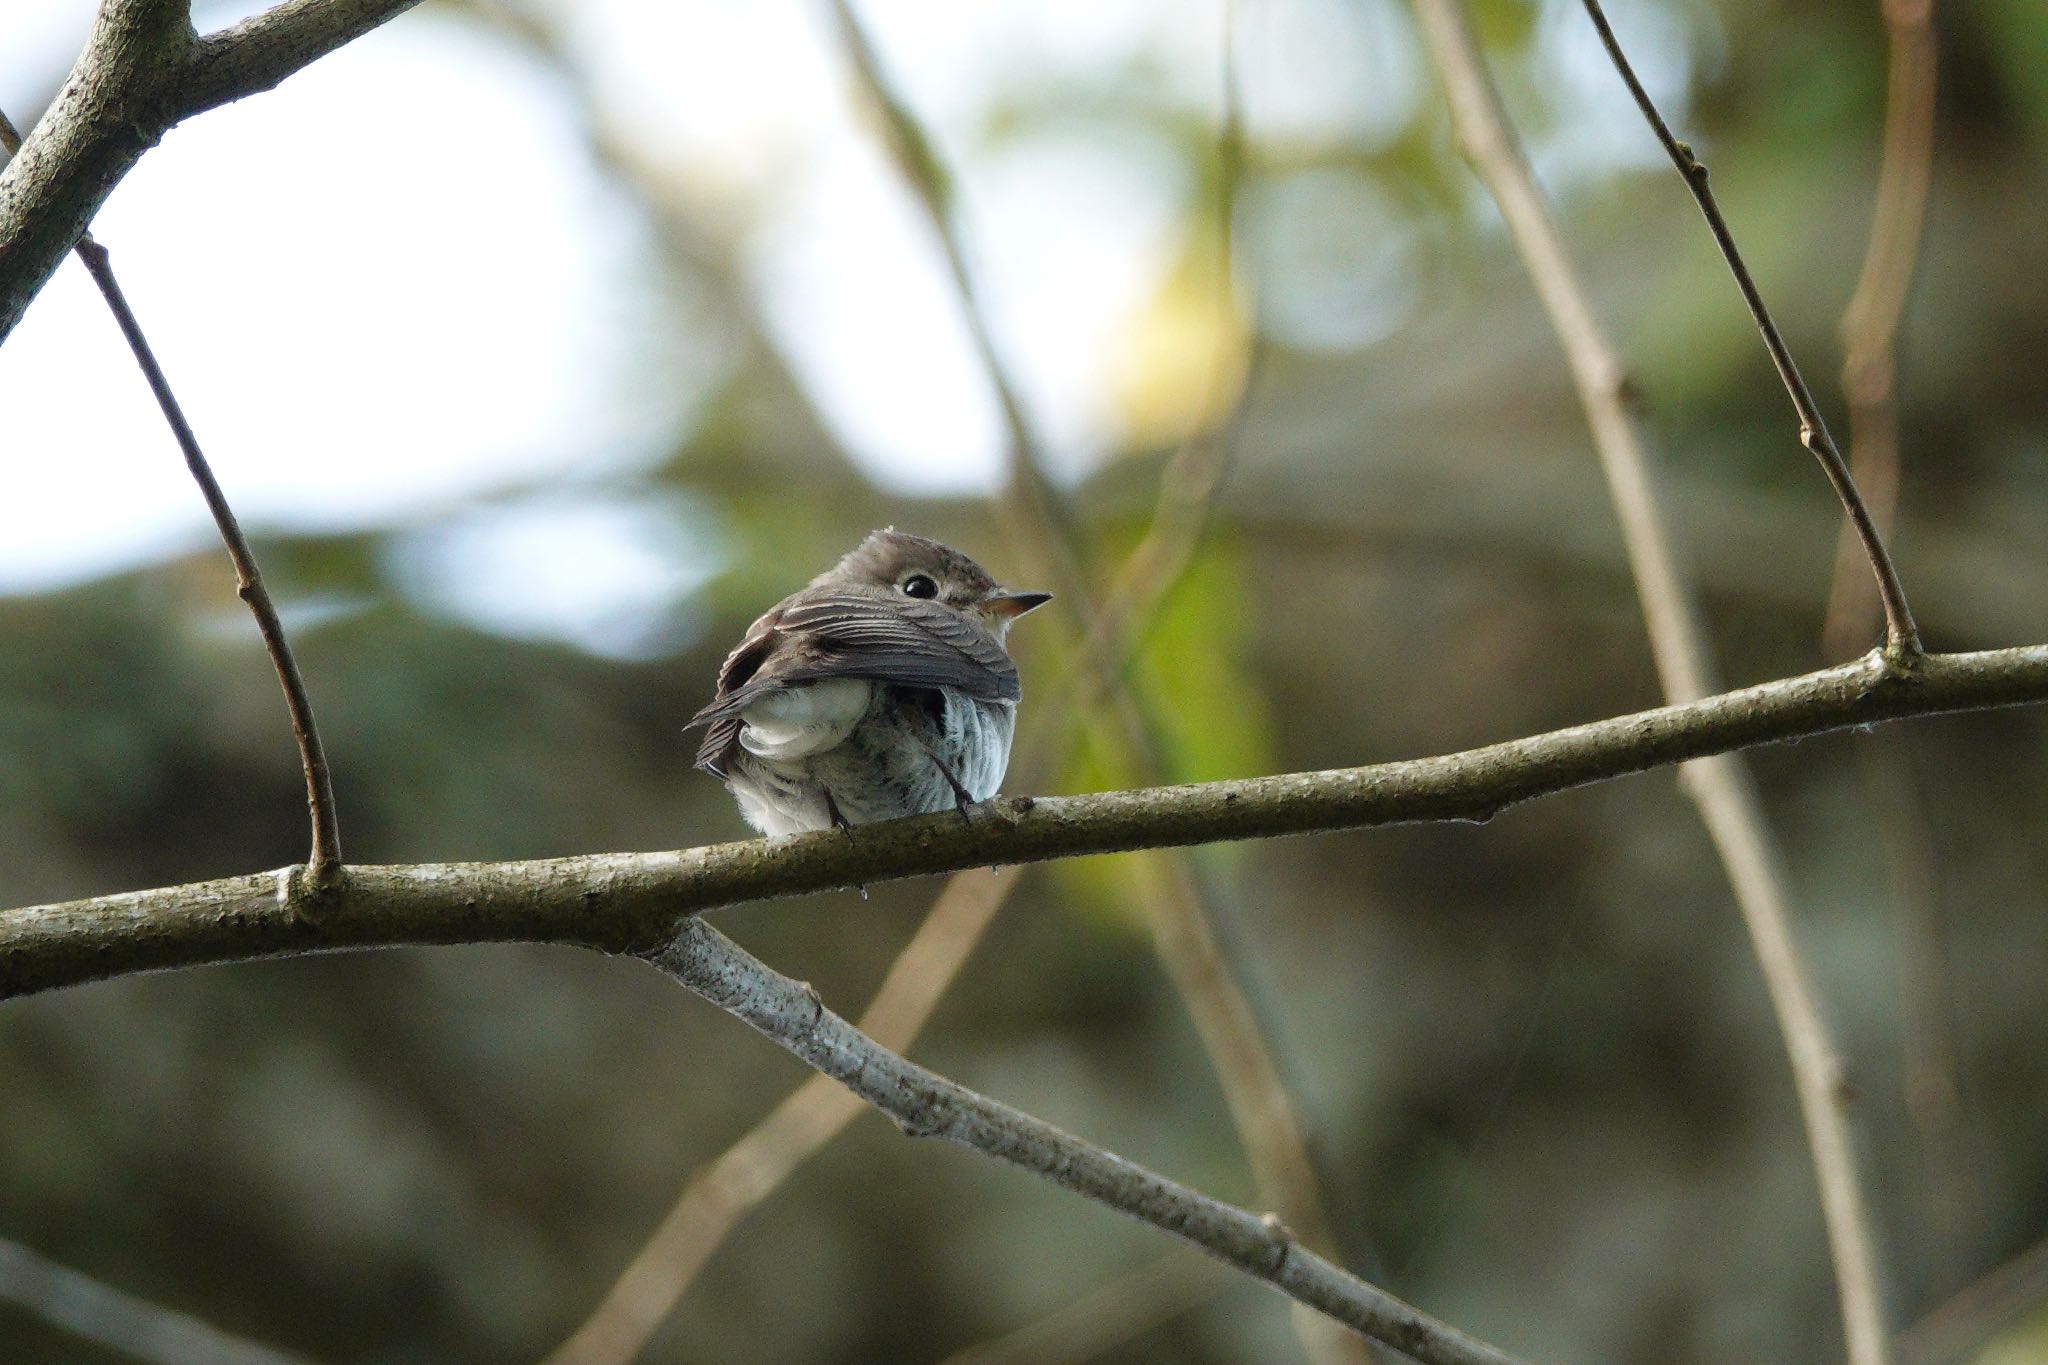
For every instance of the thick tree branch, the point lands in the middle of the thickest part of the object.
(258, 53)
(114, 106)
(623, 902)
(925, 1104)
(143, 71)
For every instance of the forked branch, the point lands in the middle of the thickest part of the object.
(144, 71)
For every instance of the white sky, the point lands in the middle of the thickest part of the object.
(398, 283)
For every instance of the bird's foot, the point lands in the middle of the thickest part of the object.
(844, 826)
(962, 798)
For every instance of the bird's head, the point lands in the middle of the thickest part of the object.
(914, 567)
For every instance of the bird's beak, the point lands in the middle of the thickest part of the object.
(1011, 605)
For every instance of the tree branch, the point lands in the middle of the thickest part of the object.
(324, 859)
(1721, 786)
(131, 1326)
(142, 72)
(625, 902)
(925, 1104)
(258, 53)
(724, 1190)
(325, 852)
(1902, 637)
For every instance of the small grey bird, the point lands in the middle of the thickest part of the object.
(882, 689)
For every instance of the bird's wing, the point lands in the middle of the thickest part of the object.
(834, 633)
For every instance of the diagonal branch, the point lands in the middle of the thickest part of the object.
(623, 902)
(142, 72)
(134, 1328)
(324, 859)
(925, 1104)
(1720, 787)
(323, 863)
(723, 1191)
(258, 53)
(1902, 637)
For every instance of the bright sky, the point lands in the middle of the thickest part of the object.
(398, 283)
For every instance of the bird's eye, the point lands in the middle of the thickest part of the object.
(920, 585)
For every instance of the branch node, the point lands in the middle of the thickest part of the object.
(1283, 1239)
(299, 894)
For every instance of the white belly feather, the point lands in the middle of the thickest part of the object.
(800, 721)
(854, 745)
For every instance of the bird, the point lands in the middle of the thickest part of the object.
(881, 689)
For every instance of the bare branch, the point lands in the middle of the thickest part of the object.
(114, 106)
(925, 1104)
(325, 856)
(258, 53)
(324, 861)
(727, 1188)
(622, 902)
(118, 1320)
(1902, 637)
(142, 72)
(1721, 786)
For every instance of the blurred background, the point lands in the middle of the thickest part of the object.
(542, 347)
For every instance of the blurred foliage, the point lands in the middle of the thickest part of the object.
(1537, 1056)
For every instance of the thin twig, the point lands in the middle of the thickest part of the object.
(1181, 918)
(120, 1321)
(324, 861)
(1720, 787)
(622, 902)
(1902, 637)
(925, 1104)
